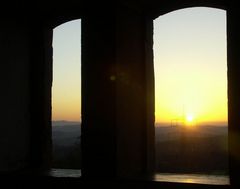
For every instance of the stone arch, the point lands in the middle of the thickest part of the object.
(157, 9)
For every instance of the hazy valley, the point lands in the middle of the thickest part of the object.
(200, 149)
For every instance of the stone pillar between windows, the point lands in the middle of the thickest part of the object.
(134, 94)
(98, 140)
(117, 95)
(40, 98)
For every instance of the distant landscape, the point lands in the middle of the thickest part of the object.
(179, 149)
(66, 138)
(201, 149)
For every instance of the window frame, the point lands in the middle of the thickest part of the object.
(40, 105)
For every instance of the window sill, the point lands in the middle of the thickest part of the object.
(65, 173)
(192, 179)
(168, 178)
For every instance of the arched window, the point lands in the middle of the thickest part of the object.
(190, 65)
(66, 96)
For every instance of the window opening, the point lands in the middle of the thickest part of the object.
(190, 65)
(66, 98)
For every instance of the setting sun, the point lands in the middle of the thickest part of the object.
(190, 66)
(189, 118)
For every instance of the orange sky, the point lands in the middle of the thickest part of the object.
(191, 65)
(189, 62)
(66, 90)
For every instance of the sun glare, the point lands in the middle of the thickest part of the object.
(189, 118)
(190, 66)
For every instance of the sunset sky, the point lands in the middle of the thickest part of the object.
(191, 65)
(66, 90)
(189, 62)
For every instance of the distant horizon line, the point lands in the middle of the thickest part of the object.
(163, 123)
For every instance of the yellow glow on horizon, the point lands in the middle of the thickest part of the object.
(190, 65)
